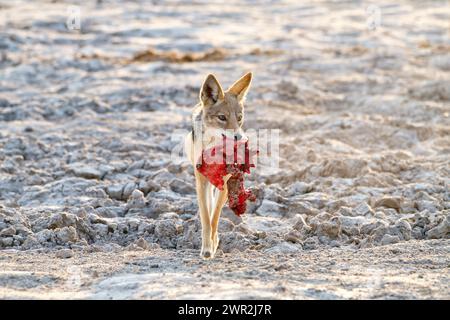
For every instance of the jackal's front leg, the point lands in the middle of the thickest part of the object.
(221, 199)
(207, 246)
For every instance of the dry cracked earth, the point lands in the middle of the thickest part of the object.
(92, 205)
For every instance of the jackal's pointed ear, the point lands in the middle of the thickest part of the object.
(211, 91)
(240, 87)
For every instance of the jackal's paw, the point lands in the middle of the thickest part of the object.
(207, 251)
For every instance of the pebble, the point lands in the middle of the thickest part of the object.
(64, 254)
(115, 191)
(136, 200)
(142, 243)
(10, 231)
(440, 231)
(7, 242)
(363, 209)
(389, 202)
(270, 208)
(66, 235)
(352, 225)
(388, 239)
(301, 224)
(182, 187)
(284, 248)
(86, 172)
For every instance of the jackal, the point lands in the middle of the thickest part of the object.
(218, 113)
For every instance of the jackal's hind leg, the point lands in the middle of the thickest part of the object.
(221, 199)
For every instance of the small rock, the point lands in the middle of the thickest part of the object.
(330, 228)
(370, 227)
(440, 231)
(186, 216)
(166, 233)
(388, 239)
(311, 243)
(426, 205)
(299, 187)
(432, 90)
(191, 238)
(163, 177)
(441, 62)
(408, 207)
(379, 233)
(111, 211)
(60, 220)
(86, 172)
(101, 230)
(242, 228)
(301, 224)
(168, 215)
(182, 187)
(404, 228)
(363, 209)
(147, 186)
(225, 225)
(7, 242)
(293, 236)
(270, 208)
(30, 242)
(230, 215)
(110, 247)
(96, 192)
(284, 248)
(417, 233)
(112, 227)
(115, 191)
(66, 235)
(389, 202)
(93, 218)
(233, 241)
(352, 225)
(301, 207)
(311, 156)
(136, 200)
(157, 206)
(128, 189)
(334, 205)
(8, 232)
(45, 236)
(64, 254)
(315, 199)
(334, 243)
(346, 211)
(380, 215)
(153, 246)
(4, 103)
(142, 243)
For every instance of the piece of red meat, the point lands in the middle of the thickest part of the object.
(231, 157)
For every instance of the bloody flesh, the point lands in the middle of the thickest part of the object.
(234, 158)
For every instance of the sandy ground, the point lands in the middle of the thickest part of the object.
(93, 206)
(415, 270)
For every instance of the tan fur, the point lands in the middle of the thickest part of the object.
(217, 112)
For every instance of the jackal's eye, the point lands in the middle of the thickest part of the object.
(239, 118)
(222, 117)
